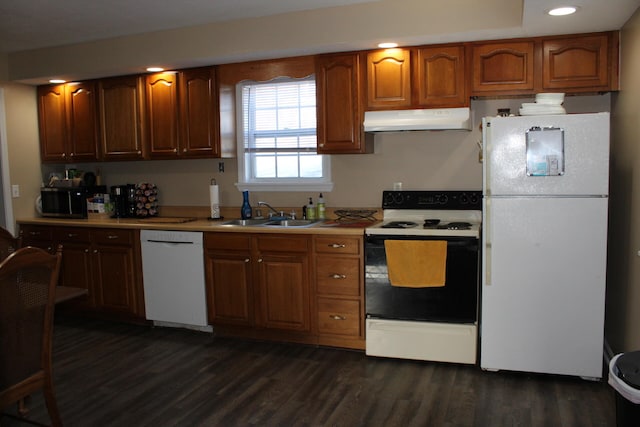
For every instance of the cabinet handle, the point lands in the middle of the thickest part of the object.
(337, 317)
(71, 154)
(139, 152)
(86, 251)
(184, 150)
(71, 235)
(111, 237)
(338, 276)
(95, 251)
(175, 150)
(337, 245)
(34, 233)
(64, 155)
(259, 259)
(246, 260)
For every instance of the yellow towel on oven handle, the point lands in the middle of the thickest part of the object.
(416, 263)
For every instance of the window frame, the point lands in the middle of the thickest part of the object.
(274, 184)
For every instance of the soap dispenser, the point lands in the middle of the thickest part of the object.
(311, 210)
(321, 207)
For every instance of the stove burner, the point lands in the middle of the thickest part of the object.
(399, 224)
(435, 224)
(458, 226)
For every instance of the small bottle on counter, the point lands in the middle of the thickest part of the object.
(245, 210)
(311, 210)
(321, 207)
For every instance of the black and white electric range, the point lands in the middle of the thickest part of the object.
(425, 323)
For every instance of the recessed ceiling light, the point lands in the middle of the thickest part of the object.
(562, 11)
(57, 81)
(387, 45)
(155, 69)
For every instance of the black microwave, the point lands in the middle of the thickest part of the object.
(64, 202)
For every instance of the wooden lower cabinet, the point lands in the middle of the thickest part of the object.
(105, 261)
(339, 279)
(258, 285)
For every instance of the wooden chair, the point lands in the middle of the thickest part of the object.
(28, 278)
(8, 243)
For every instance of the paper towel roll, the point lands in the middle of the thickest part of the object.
(214, 201)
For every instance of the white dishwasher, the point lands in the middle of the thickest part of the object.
(173, 277)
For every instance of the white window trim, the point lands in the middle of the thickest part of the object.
(282, 184)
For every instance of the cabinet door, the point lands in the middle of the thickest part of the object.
(339, 108)
(75, 269)
(82, 121)
(503, 68)
(571, 63)
(440, 77)
(230, 299)
(161, 91)
(114, 271)
(121, 118)
(113, 278)
(52, 120)
(199, 113)
(284, 291)
(389, 79)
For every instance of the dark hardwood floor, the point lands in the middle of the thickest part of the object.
(113, 374)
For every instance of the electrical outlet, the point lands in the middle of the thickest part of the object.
(15, 191)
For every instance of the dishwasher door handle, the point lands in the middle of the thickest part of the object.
(170, 242)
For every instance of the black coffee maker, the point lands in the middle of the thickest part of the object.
(124, 200)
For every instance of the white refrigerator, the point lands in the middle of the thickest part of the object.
(545, 185)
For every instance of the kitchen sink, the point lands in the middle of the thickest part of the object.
(292, 223)
(271, 223)
(246, 222)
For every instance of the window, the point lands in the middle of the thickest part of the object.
(277, 138)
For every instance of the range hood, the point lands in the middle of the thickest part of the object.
(407, 120)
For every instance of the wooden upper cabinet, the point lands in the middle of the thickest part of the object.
(161, 107)
(199, 113)
(575, 63)
(389, 79)
(440, 77)
(68, 123)
(503, 68)
(120, 103)
(339, 107)
(427, 77)
(53, 126)
(82, 121)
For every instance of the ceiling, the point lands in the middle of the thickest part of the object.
(32, 24)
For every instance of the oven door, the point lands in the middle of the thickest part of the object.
(456, 302)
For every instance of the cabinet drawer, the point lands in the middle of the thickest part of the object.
(112, 236)
(227, 241)
(338, 276)
(338, 245)
(71, 235)
(31, 232)
(338, 317)
(288, 243)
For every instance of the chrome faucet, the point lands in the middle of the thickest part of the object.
(273, 211)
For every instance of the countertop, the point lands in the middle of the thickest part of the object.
(202, 224)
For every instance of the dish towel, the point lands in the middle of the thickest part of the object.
(416, 263)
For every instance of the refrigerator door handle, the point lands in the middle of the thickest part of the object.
(487, 245)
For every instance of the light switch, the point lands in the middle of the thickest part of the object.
(15, 191)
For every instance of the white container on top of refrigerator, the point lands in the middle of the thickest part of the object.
(545, 207)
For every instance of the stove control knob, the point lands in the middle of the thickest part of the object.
(473, 199)
(443, 199)
(464, 199)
